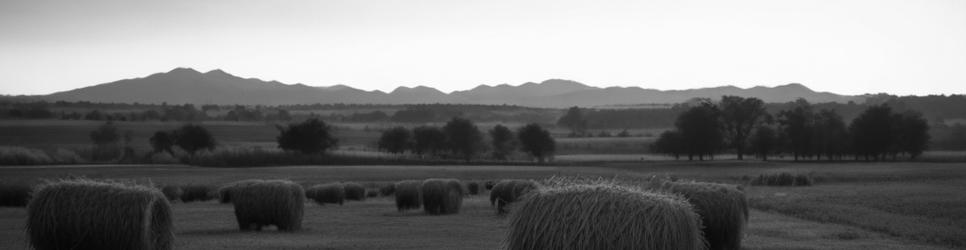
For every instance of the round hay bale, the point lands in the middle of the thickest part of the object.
(372, 193)
(333, 193)
(355, 191)
(86, 214)
(509, 191)
(14, 195)
(473, 188)
(407, 195)
(387, 189)
(173, 193)
(723, 210)
(224, 192)
(442, 196)
(271, 202)
(603, 217)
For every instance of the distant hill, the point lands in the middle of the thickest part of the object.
(185, 85)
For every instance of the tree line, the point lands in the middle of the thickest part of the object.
(743, 125)
(461, 138)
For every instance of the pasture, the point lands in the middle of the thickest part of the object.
(892, 205)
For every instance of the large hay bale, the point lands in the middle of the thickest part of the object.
(442, 196)
(86, 214)
(355, 191)
(723, 210)
(509, 191)
(327, 193)
(407, 195)
(224, 192)
(173, 193)
(603, 217)
(14, 195)
(197, 192)
(271, 202)
(473, 188)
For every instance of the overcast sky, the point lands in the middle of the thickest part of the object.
(842, 46)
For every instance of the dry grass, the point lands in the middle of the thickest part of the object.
(271, 202)
(442, 196)
(85, 214)
(333, 193)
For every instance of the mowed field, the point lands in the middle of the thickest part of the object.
(852, 206)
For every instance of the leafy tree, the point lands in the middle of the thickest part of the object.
(311, 136)
(912, 133)
(829, 135)
(193, 138)
(669, 142)
(395, 140)
(463, 137)
(574, 120)
(428, 139)
(739, 116)
(536, 141)
(502, 141)
(797, 126)
(764, 141)
(872, 132)
(106, 134)
(700, 129)
(162, 141)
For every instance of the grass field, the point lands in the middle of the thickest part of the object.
(852, 206)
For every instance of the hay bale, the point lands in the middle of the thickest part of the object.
(86, 214)
(327, 193)
(723, 210)
(408, 195)
(387, 189)
(173, 193)
(355, 192)
(603, 217)
(14, 195)
(473, 188)
(489, 185)
(442, 196)
(372, 193)
(224, 192)
(196, 192)
(509, 191)
(271, 202)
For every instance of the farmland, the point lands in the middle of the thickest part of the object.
(889, 205)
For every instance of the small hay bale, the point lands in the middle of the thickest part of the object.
(195, 192)
(442, 196)
(372, 193)
(173, 193)
(723, 210)
(355, 192)
(603, 217)
(14, 195)
(509, 191)
(407, 195)
(473, 188)
(333, 193)
(387, 189)
(86, 214)
(271, 202)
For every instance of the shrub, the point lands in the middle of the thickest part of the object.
(442, 196)
(473, 188)
(387, 189)
(783, 179)
(312, 136)
(327, 193)
(271, 202)
(23, 156)
(14, 195)
(603, 217)
(723, 210)
(196, 192)
(509, 191)
(408, 195)
(85, 214)
(173, 193)
(355, 192)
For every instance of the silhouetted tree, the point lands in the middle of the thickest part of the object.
(829, 135)
(536, 141)
(428, 139)
(395, 140)
(106, 134)
(797, 126)
(463, 137)
(872, 132)
(311, 136)
(700, 129)
(669, 142)
(502, 142)
(764, 141)
(739, 116)
(193, 138)
(162, 141)
(912, 133)
(574, 120)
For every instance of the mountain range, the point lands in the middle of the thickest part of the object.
(186, 85)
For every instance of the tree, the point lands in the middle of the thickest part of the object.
(311, 136)
(700, 129)
(395, 140)
(764, 141)
(574, 120)
(739, 116)
(669, 142)
(463, 137)
(912, 133)
(428, 139)
(872, 132)
(502, 141)
(536, 141)
(829, 135)
(162, 141)
(797, 126)
(193, 138)
(105, 135)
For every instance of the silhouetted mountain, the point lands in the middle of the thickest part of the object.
(185, 85)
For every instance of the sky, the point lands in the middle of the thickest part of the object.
(913, 47)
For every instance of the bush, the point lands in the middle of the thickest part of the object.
(14, 195)
(783, 179)
(442, 196)
(196, 192)
(312, 136)
(334, 193)
(271, 202)
(723, 210)
(173, 193)
(355, 191)
(509, 191)
(603, 217)
(85, 214)
(408, 195)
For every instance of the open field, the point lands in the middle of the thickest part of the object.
(852, 206)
